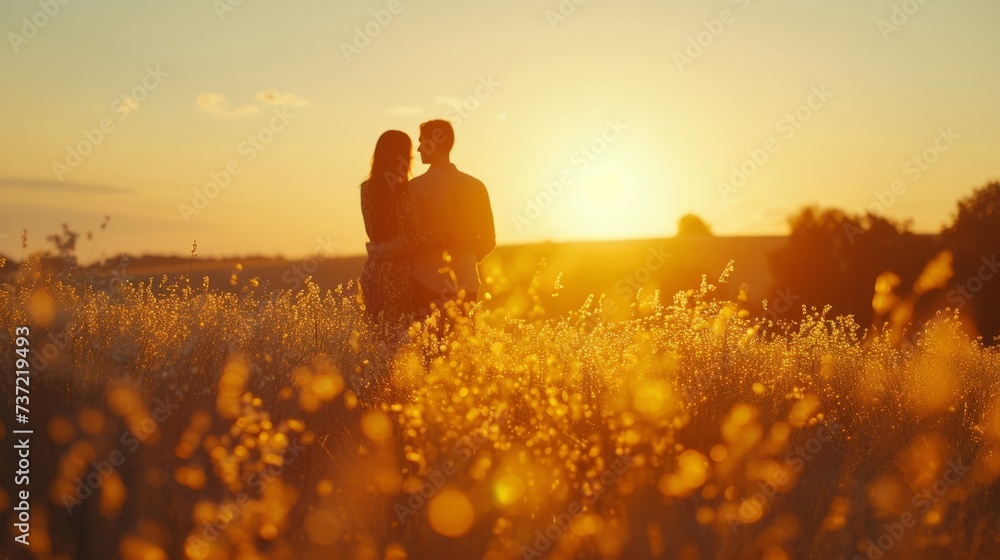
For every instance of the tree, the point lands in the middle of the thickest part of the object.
(834, 258)
(690, 224)
(974, 239)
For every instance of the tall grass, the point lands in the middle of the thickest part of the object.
(280, 425)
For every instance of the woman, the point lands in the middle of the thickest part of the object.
(385, 205)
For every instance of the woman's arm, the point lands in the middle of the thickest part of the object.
(366, 209)
(412, 236)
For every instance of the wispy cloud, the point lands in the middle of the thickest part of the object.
(447, 100)
(127, 105)
(409, 111)
(763, 214)
(271, 97)
(43, 184)
(218, 104)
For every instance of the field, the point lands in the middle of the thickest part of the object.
(177, 420)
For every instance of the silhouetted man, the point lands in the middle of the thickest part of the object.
(449, 205)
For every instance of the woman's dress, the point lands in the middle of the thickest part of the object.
(385, 283)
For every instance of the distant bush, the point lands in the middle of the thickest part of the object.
(834, 258)
(690, 224)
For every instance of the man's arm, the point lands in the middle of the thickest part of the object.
(486, 238)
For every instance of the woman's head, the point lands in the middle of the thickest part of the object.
(392, 159)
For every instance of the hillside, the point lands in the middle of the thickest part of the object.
(614, 268)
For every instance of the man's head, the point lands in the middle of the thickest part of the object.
(436, 140)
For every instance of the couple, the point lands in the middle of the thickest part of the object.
(426, 235)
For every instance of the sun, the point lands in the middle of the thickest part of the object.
(600, 205)
(606, 190)
(623, 194)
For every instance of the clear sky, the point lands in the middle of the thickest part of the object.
(642, 107)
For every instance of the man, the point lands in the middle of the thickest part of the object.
(447, 204)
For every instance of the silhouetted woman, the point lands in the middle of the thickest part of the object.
(385, 205)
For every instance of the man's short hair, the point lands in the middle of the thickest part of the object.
(440, 132)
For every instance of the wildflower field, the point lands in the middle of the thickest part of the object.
(175, 420)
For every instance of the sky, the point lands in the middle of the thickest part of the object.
(248, 125)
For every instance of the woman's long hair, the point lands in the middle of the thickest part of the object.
(391, 165)
(391, 161)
